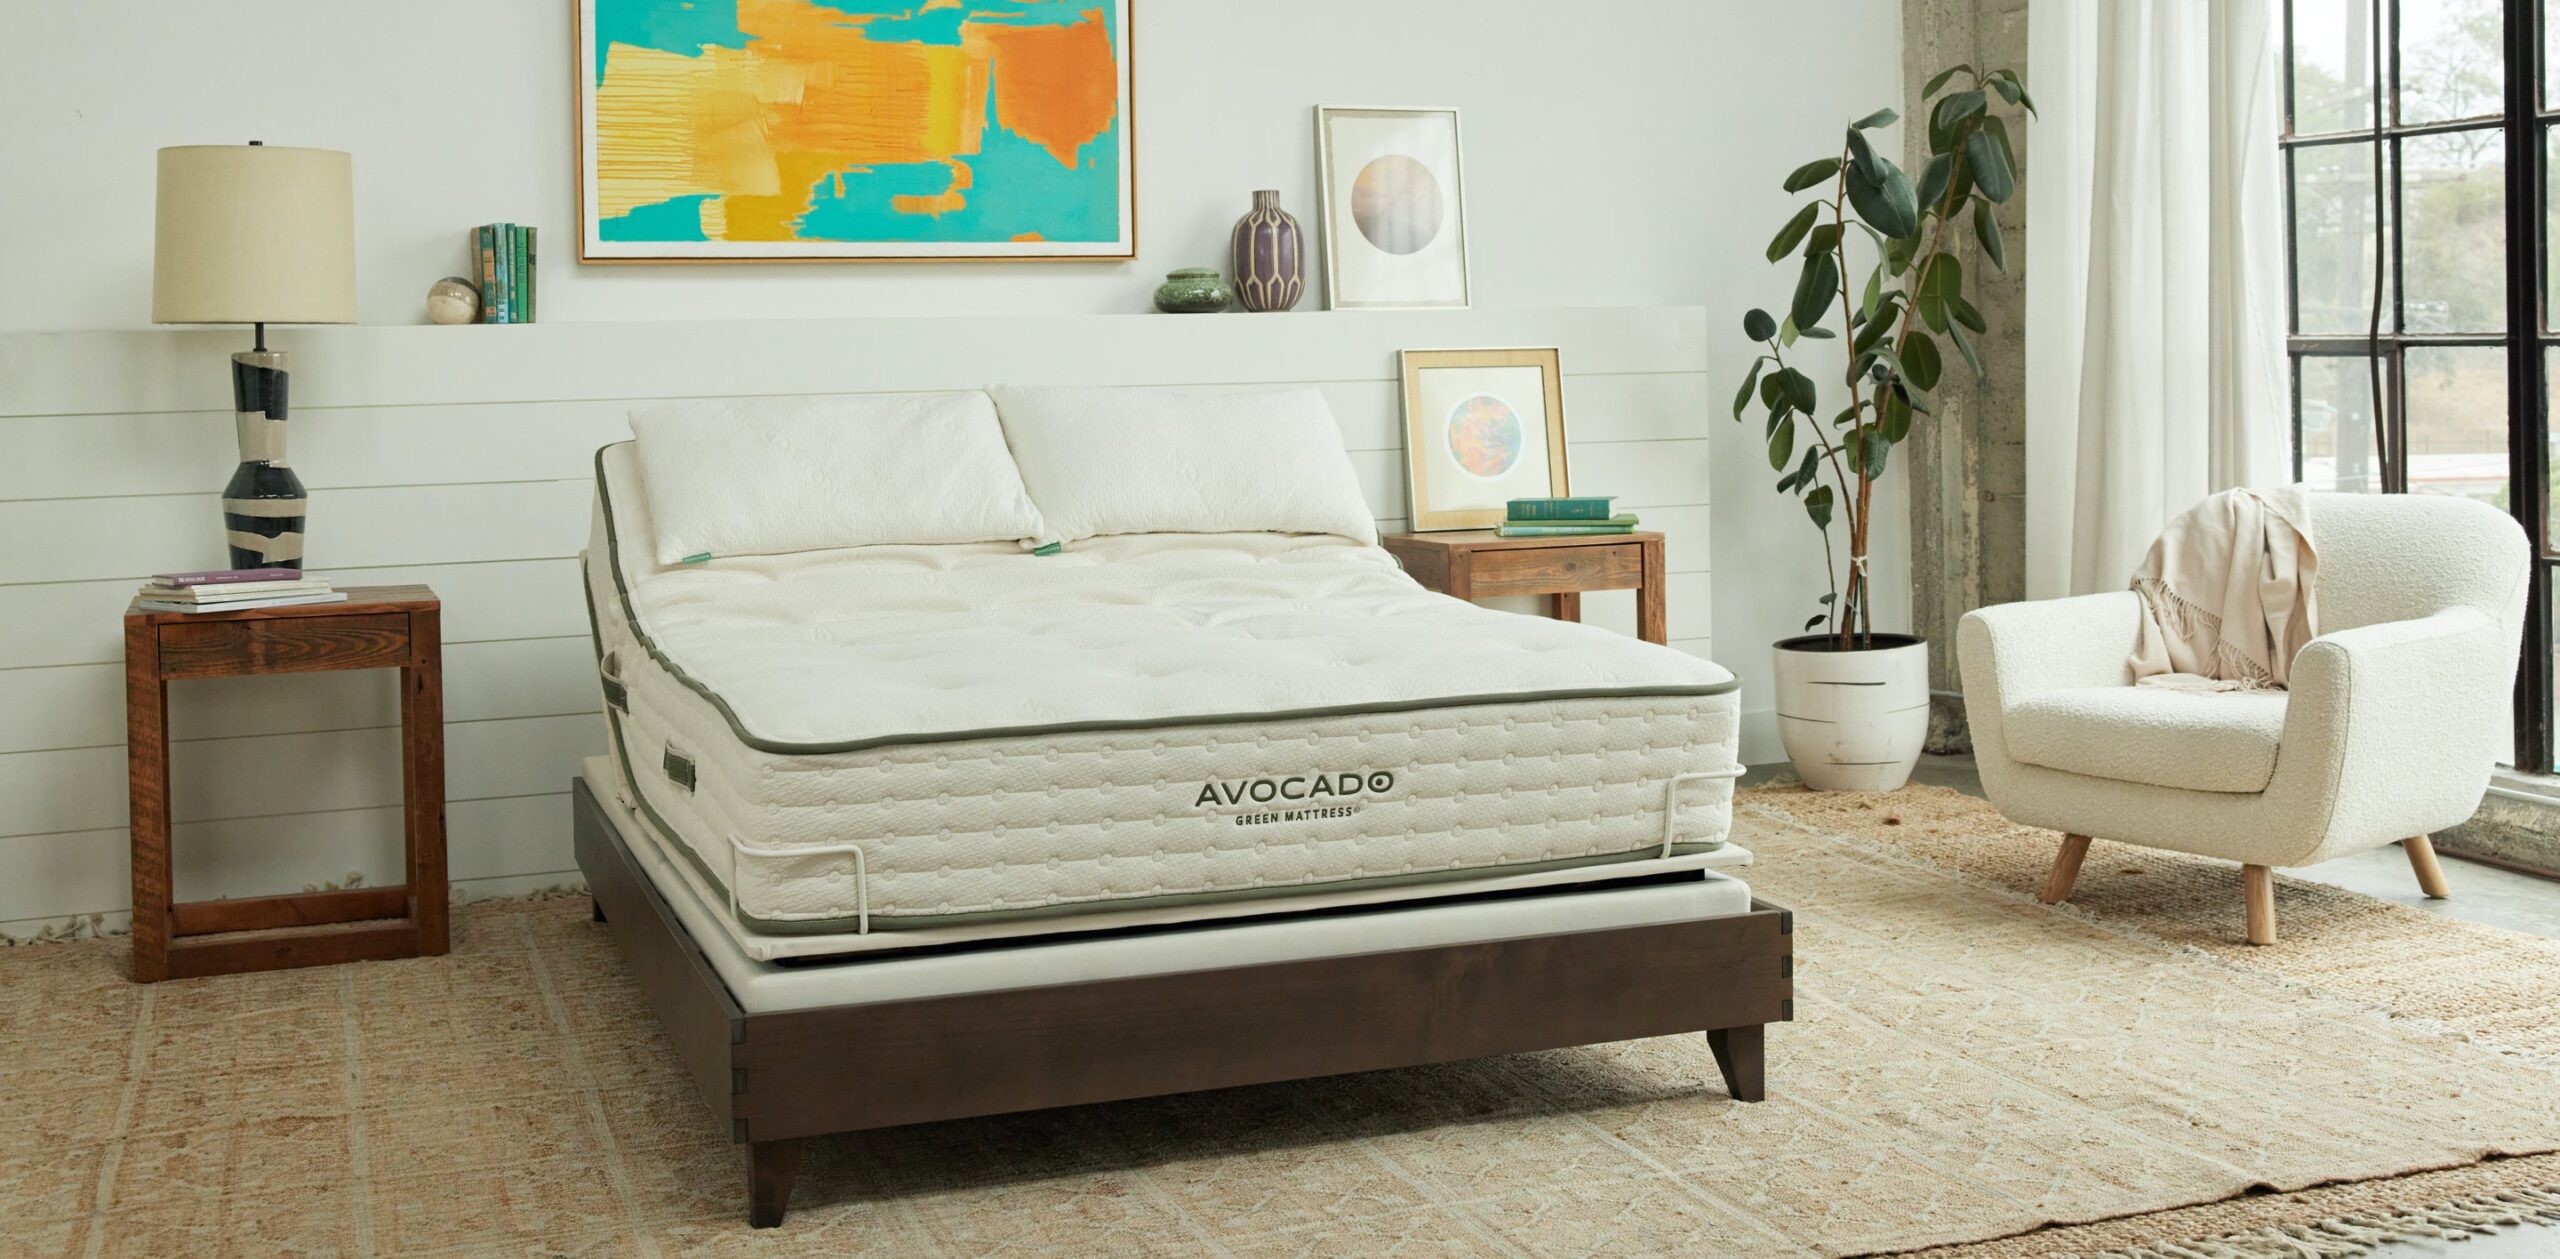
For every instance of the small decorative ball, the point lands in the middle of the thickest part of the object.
(453, 300)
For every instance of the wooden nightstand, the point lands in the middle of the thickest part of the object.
(378, 627)
(1478, 564)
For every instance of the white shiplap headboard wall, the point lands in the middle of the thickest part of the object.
(460, 457)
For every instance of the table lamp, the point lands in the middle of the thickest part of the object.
(256, 234)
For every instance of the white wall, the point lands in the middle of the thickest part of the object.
(1624, 152)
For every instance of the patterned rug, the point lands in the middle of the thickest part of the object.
(1967, 1067)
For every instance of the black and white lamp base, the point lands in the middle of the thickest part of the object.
(263, 506)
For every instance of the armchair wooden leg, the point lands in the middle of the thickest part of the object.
(2066, 869)
(2261, 884)
(2422, 859)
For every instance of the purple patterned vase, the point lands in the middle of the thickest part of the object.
(1270, 256)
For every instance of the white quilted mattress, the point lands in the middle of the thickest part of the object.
(879, 739)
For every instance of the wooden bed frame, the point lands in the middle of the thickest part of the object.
(779, 1078)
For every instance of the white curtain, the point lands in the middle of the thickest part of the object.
(2154, 274)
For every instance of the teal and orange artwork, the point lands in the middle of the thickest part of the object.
(746, 129)
(1486, 437)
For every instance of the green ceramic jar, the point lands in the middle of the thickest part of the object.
(1194, 291)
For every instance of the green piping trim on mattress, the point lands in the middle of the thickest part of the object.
(664, 834)
(631, 617)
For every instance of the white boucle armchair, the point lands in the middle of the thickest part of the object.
(2397, 712)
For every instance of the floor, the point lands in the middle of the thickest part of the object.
(2481, 894)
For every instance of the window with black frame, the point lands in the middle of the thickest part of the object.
(2419, 135)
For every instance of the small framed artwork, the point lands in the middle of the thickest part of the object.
(1394, 208)
(1481, 427)
(803, 131)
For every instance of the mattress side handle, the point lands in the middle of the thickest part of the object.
(861, 873)
(609, 670)
(1671, 800)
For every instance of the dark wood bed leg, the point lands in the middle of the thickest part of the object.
(1737, 1051)
(595, 910)
(771, 1168)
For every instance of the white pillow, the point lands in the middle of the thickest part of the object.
(1120, 460)
(764, 476)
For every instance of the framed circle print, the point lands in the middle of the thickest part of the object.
(1481, 427)
(1394, 208)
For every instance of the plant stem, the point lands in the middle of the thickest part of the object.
(1845, 608)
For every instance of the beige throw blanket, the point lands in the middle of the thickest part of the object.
(2226, 593)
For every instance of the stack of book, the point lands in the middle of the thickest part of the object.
(234, 589)
(505, 256)
(1564, 518)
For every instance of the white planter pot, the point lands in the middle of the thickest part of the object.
(1853, 720)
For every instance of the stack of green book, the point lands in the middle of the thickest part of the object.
(1564, 518)
(503, 255)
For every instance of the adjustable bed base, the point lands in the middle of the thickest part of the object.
(777, 1077)
(957, 769)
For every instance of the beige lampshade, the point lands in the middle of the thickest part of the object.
(254, 234)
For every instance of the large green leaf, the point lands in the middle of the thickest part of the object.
(1920, 360)
(1964, 346)
(1945, 276)
(1893, 416)
(1811, 467)
(1874, 453)
(1817, 504)
(1785, 241)
(1886, 201)
(1963, 313)
(1773, 393)
(1939, 79)
(1750, 386)
(2012, 89)
(1812, 173)
(1798, 389)
(1782, 447)
(1875, 293)
(1815, 287)
(1824, 238)
(1757, 324)
(1817, 333)
(1986, 153)
(1878, 328)
(1880, 118)
(1939, 277)
(1986, 230)
(1933, 180)
(1862, 157)
(1955, 107)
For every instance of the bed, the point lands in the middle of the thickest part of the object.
(997, 781)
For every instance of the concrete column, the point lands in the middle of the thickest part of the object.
(1968, 461)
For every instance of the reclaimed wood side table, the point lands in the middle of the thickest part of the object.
(377, 627)
(1480, 564)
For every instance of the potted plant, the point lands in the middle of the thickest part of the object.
(1853, 704)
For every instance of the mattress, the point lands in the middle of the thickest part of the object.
(876, 740)
(763, 985)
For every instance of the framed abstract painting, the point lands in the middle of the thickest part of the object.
(796, 130)
(1481, 427)
(1394, 204)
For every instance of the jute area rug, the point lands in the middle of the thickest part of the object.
(1966, 1067)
